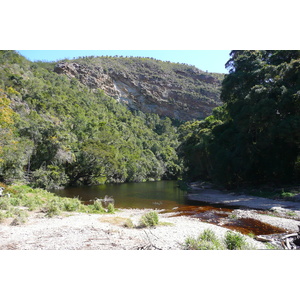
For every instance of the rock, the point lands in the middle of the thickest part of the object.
(278, 209)
(93, 77)
(184, 94)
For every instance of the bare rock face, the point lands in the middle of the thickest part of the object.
(184, 94)
(94, 78)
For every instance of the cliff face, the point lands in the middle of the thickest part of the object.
(174, 90)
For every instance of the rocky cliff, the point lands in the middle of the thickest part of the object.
(174, 90)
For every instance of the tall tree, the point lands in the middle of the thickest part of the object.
(262, 95)
(258, 140)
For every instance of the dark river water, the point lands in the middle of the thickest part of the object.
(160, 194)
(165, 195)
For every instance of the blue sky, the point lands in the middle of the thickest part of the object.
(206, 60)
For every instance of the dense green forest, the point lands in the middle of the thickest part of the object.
(55, 131)
(254, 137)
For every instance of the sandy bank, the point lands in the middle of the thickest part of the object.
(230, 199)
(78, 231)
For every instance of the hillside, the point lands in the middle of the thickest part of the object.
(175, 90)
(55, 131)
(68, 123)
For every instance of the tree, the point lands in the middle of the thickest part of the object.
(14, 151)
(257, 139)
(60, 132)
(262, 95)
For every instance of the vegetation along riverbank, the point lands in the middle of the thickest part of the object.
(36, 219)
(96, 120)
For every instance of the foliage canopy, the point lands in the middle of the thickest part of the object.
(56, 131)
(254, 137)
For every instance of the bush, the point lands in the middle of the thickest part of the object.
(20, 217)
(208, 235)
(15, 201)
(234, 241)
(110, 208)
(33, 203)
(98, 206)
(71, 204)
(149, 219)
(4, 203)
(53, 208)
(191, 244)
(2, 216)
(207, 240)
(128, 223)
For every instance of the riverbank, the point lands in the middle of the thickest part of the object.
(213, 196)
(38, 220)
(81, 231)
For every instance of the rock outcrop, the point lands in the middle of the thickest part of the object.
(174, 90)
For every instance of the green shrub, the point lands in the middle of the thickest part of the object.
(33, 204)
(110, 208)
(4, 203)
(15, 201)
(149, 219)
(97, 206)
(71, 204)
(31, 201)
(206, 245)
(207, 240)
(208, 235)
(234, 241)
(191, 243)
(20, 217)
(128, 223)
(2, 216)
(53, 208)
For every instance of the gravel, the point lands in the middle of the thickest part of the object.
(231, 199)
(79, 231)
(274, 218)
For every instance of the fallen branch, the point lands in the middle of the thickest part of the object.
(148, 246)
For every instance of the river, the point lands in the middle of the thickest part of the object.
(159, 194)
(165, 195)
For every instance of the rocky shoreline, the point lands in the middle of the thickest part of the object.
(280, 215)
(85, 231)
(80, 231)
(238, 200)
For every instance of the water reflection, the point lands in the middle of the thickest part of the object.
(161, 194)
(166, 195)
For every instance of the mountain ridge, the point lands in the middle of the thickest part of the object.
(173, 90)
(64, 129)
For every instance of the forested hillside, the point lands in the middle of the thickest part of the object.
(91, 120)
(254, 138)
(178, 91)
(56, 131)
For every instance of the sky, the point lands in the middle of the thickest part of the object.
(205, 60)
